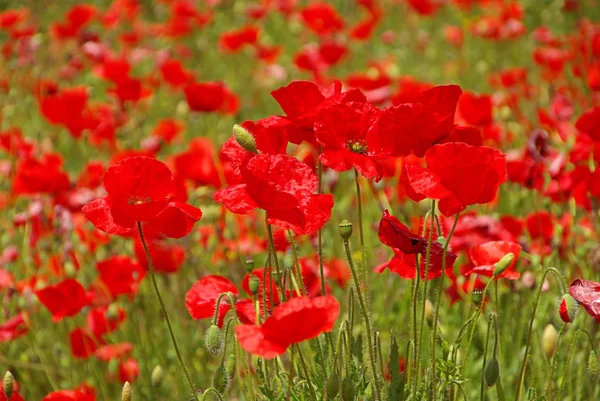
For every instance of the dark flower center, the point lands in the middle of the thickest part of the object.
(138, 200)
(357, 146)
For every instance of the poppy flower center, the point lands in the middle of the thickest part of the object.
(357, 146)
(138, 200)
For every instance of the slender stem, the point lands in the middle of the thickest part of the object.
(437, 307)
(366, 318)
(415, 295)
(535, 305)
(485, 352)
(566, 371)
(165, 313)
(553, 363)
(300, 290)
(304, 368)
(211, 390)
(320, 233)
(273, 254)
(361, 232)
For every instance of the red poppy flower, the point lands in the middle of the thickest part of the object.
(69, 109)
(271, 290)
(200, 300)
(113, 351)
(406, 246)
(13, 328)
(587, 293)
(166, 257)
(485, 256)
(589, 123)
(40, 176)
(418, 125)
(292, 322)
(139, 190)
(207, 96)
(348, 135)
(129, 370)
(282, 186)
(99, 322)
(198, 163)
(168, 129)
(82, 393)
(475, 109)
(64, 299)
(458, 175)
(175, 73)
(120, 275)
(322, 18)
(82, 344)
(233, 41)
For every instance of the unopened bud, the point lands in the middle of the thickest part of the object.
(549, 340)
(332, 386)
(492, 372)
(477, 297)
(504, 264)
(8, 384)
(214, 339)
(221, 379)
(593, 365)
(348, 392)
(230, 364)
(429, 311)
(126, 393)
(70, 270)
(345, 228)
(254, 284)
(568, 308)
(156, 376)
(244, 138)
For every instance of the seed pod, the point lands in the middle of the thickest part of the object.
(244, 138)
(126, 393)
(477, 297)
(332, 387)
(504, 264)
(221, 379)
(214, 340)
(492, 372)
(593, 365)
(345, 228)
(8, 384)
(549, 340)
(568, 308)
(156, 376)
(254, 284)
(348, 392)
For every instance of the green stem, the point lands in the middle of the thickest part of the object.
(273, 255)
(211, 390)
(553, 363)
(566, 371)
(305, 369)
(165, 313)
(366, 318)
(320, 233)
(485, 352)
(361, 232)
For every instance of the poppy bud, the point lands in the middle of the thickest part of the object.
(8, 384)
(156, 376)
(126, 393)
(345, 228)
(214, 339)
(477, 297)
(549, 340)
(348, 392)
(491, 372)
(112, 313)
(221, 379)
(504, 264)
(593, 365)
(244, 138)
(332, 387)
(70, 270)
(253, 283)
(429, 312)
(230, 364)
(568, 308)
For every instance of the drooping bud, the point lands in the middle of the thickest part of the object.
(332, 386)
(345, 228)
(593, 365)
(126, 393)
(477, 297)
(348, 392)
(504, 264)
(244, 138)
(214, 339)
(549, 340)
(156, 376)
(221, 379)
(568, 308)
(492, 372)
(8, 384)
(254, 284)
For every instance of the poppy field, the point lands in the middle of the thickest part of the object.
(299, 200)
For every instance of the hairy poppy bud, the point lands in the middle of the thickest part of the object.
(491, 372)
(332, 386)
(8, 384)
(126, 393)
(244, 138)
(568, 308)
(156, 376)
(348, 392)
(504, 264)
(429, 312)
(230, 364)
(214, 339)
(345, 228)
(549, 340)
(254, 284)
(70, 270)
(221, 379)
(477, 297)
(593, 365)
(112, 313)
